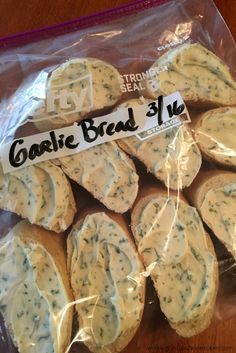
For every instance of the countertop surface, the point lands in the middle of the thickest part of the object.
(18, 16)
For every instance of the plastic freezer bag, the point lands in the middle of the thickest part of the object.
(128, 238)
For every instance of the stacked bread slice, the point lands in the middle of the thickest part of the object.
(41, 193)
(197, 73)
(107, 280)
(89, 85)
(172, 156)
(179, 256)
(107, 173)
(214, 132)
(35, 296)
(214, 195)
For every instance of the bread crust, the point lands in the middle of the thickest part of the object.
(124, 146)
(205, 180)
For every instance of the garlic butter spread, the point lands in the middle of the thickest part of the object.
(215, 134)
(197, 74)
(172, 156)
(106, 279)
(32, 297)
(219, 212)
(172, 242)
(107, 173)
(41, 193)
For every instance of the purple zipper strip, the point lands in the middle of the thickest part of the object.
(79, 23)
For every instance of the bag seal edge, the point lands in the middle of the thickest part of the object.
(95, 18)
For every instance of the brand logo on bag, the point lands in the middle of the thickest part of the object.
(143, 120)
(71, 100)
(65, 99)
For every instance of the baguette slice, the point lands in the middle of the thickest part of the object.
(88, 84)
(198, 74)
(106, 172)
(179, 256)
(214, 195)
(107, 280)
(35, 295)
(215, 134)
(171, 156)
(41, 193)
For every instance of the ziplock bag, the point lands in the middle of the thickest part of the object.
(117, 183)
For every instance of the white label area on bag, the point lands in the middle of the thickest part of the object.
(144, 121)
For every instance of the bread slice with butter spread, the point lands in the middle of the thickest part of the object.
(107, 280)
(75, 89)
(40, 193)
(35, 295)
(172, 156)
(106, 172)
(179, 256)
(214, 195)
(197, 73)
(214, 132)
